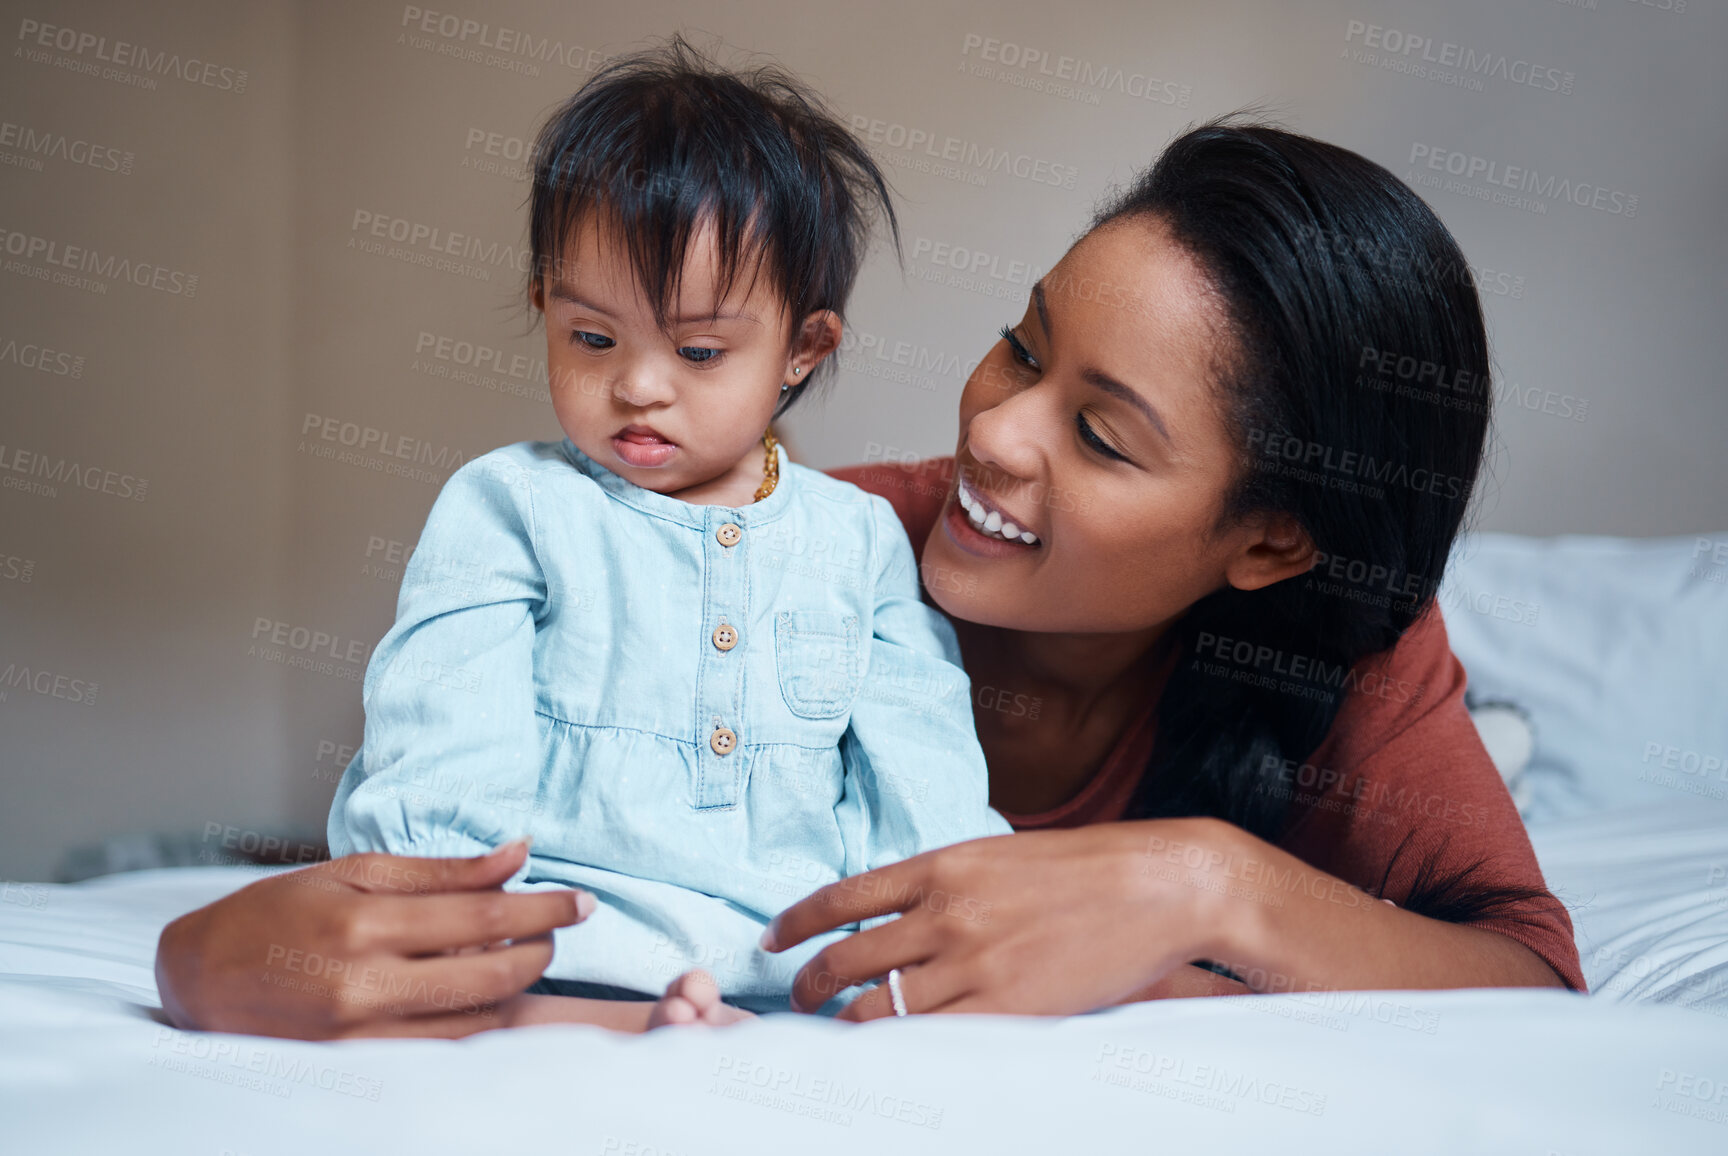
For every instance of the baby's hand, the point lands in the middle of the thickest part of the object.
(694, 998)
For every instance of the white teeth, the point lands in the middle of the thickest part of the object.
(990, 521)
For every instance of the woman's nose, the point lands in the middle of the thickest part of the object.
(1009, 435)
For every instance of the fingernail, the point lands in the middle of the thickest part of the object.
(766, 943)
(585, 904)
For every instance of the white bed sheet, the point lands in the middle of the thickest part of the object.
(1648, 893)
(87, 1065)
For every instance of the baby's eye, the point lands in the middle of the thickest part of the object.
(699, 354)
(592, 340)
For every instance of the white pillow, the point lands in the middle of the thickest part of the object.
(1617, 651)
(1505, 731)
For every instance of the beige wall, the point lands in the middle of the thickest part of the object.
(350, 113)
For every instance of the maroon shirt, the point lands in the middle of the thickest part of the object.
(1402, 766)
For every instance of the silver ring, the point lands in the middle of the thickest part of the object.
(894, 992)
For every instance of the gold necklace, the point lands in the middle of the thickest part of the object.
(770, 466)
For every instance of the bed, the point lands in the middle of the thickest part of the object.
(88, 1064)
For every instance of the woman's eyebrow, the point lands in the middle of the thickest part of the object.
(1115, 388)
(1043, 308)
(1098, 377)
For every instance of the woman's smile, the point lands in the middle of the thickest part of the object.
(957, 524)
(987, 515)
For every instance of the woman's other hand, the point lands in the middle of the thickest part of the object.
(1043, 922)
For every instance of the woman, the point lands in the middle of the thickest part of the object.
(1241, 421)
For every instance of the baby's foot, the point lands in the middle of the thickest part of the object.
(694, 998)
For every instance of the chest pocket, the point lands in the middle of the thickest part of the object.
(816, 654)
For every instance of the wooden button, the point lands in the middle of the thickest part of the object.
(725, 638)
(728, 534)
(722, 741)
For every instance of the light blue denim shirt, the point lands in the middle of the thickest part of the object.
(700, 713)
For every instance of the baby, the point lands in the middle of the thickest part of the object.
(700, 676)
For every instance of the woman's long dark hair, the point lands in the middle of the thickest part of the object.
(1356, 387)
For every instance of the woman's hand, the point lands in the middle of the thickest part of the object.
(365, 945)
(1043, 922)
(1061, 922)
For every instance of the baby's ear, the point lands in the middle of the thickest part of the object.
(818, 336)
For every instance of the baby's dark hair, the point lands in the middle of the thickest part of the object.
(664, 141)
